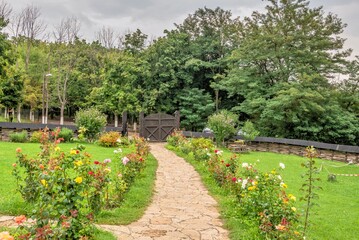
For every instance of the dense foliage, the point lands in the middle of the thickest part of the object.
(278, 68)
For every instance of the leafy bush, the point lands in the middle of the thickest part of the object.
(131, 165)
(223, 124)
(66, 188)
(67, 134)
(249, 131)
(176, 138)
(109, 139)
(19, 137)
(201, 148)
(92, 120)
(261, 195)
(36, 136)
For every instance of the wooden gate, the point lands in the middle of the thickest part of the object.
(156, 127)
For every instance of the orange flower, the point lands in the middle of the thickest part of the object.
(20, 219)
(280, 227)
(41, 167)
(6, 236)
(18, 150)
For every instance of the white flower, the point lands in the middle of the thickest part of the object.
(281, 165)
(279, 177)
(117, 151)
(244, 183)
(125, 160)
(119, 140)
(245, 165)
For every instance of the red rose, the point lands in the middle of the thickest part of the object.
(96, 162)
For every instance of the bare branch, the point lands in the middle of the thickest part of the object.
(106, 37)
(31, 25)
(5, 10)
(68, 30)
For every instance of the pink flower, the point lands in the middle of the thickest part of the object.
(107, 160)
(234, 179)
(125, 160)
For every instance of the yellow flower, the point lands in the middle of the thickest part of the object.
(296, 232)
(73, 152)
(252, 188)
(43, 182)
(294, 209)
(57, 149)
(107, 169)
(78, 163)
(273, 172)
(292, 197)
(283, 185)
(78, 179)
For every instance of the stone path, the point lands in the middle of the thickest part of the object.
(181, 207)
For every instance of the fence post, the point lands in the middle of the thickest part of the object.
(142, 122)
(124, 124)
(177, 116)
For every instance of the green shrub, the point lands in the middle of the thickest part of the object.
(92, 120)
(66, 133)
(249, 131)
(109, 139)
(19, 137)
(176, 138)
(66, 188)
(223, 124)
(36, 136)
(201, 148)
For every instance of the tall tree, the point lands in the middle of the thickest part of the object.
(65, 56)
(288, 44)
(212, 35)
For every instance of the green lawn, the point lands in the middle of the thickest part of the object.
(335, 217)
(136, 200)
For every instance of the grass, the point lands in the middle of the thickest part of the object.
(99, 234)
(136, 200)
(336, 214)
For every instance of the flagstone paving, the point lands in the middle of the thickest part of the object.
(181, 206)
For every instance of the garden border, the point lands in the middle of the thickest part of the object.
(29, 127)
(338, 152)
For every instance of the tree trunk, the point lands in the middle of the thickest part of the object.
(217, 99)
(62, 110)
(19, 113)
(116, 120)
(6, 113)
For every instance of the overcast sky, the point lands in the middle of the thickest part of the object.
(153, 16)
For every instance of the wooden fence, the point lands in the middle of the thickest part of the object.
(343, 153)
